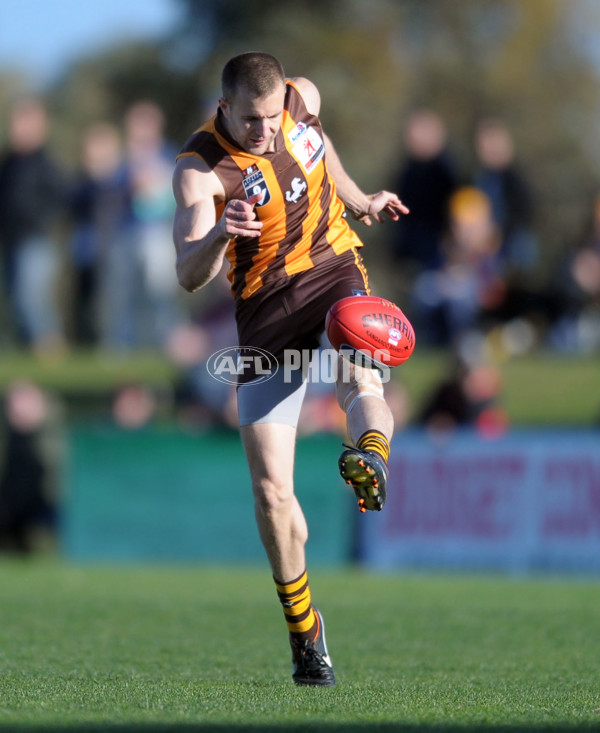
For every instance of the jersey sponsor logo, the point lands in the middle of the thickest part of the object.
(298, 188)
(254, 182)
(307, 145)
(297, 132)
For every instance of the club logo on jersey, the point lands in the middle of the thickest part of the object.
(298, 188)
(254, 182)
(307, 145)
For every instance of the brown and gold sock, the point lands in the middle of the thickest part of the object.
(299, 614)
(375, 442)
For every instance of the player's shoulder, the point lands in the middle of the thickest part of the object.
(309, 93)
(193, 178)
(193, 167)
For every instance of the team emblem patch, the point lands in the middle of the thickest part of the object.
(254, 182)
(298, 187)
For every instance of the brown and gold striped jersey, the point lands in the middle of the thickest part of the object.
(303, 218)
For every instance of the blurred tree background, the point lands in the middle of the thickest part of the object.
(534, 63)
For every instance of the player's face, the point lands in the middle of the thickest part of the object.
(254, 122)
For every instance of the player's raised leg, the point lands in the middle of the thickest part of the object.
(370, 425)
(270, 451)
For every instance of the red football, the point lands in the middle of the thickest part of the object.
(372, 326)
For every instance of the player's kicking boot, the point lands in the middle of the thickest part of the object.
(367, 473)
(311, 664)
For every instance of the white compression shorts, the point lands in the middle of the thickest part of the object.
(278, 400)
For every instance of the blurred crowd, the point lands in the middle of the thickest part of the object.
(86, 255)
(470, 269)
(470, 259)
(87, 261)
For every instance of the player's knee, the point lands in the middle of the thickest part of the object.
(300, 532)
(272, 497)
(359, 382)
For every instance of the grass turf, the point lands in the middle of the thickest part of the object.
(196, 649)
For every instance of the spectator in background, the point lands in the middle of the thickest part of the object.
(466, 398)
(454, 299)
(577, 326)
(101, 210)
(134, 406)
(499, 178)
(32, 193)
(28, 466)
(150, 159)
(425, 183)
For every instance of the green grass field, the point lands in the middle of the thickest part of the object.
(194, 649)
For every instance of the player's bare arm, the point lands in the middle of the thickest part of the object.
(200, 240)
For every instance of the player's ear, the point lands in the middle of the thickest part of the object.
(224, 105)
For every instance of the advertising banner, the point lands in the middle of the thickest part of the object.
(527, 501)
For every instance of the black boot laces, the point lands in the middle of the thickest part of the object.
(311, 658)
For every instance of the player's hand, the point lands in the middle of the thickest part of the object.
(380, 204)
(239, 218)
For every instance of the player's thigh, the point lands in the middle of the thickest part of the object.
(275, 400)
(268, 413)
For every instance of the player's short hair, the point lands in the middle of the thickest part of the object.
(258, 73)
